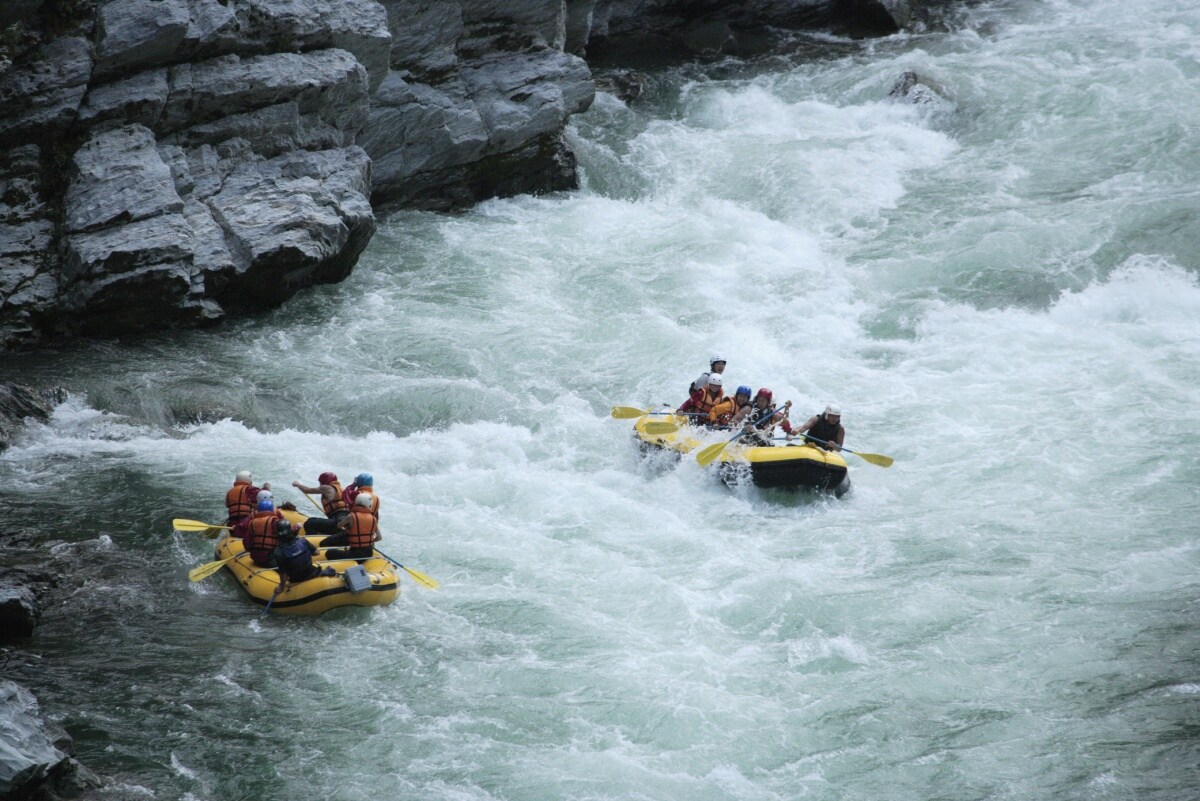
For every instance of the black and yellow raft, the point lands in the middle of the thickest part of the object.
(794, 465)
(316, 595)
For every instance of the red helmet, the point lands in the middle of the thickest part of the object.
(765, 393)
(327, 478)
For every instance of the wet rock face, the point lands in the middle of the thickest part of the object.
(164, 163)
(35, 757)
(475, 103)
(18, 404)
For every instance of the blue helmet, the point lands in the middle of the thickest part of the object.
(364, 480)
(743, 390)
(266, 505)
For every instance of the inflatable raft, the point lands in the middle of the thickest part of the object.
(794, 465)
(317, 595)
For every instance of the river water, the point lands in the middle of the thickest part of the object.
(1002, 295)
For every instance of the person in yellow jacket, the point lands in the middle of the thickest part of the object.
(723, 413)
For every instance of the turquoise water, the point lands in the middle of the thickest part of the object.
(1002, 295)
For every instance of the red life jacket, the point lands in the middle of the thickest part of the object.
(338, 504)
(264, 535)
(237, 500)
(363, 526)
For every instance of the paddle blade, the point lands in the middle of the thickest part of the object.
(206, 570)
(627, 412)
(660, 428)
(706, 456)
(875, 458)
(421, 578)
(182, 524)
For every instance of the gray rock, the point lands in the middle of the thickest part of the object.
(19, 612)
(912, 87)
(19, 404)
(118, 176)
(139, 98)
(292, 221)
(41, 100)
(35, 757)
(135, 35)
(330, 83)
(522, 97)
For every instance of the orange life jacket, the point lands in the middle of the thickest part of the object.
(707, 401)
(237, 502)
(723, 412)
(363, 526)
(374, 500)
(264, 535)
(337, 504)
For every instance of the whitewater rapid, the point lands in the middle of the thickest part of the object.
(1001, 292)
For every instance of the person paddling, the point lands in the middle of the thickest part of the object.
(294, 560)
(336, 508)
(826, 426)
(716, 366)
(723, 413)
(757, 421)
(360, 531)
(263, 535)
(240, 502)
(708, 397)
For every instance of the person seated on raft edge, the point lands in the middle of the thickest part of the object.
(363, 482)
(825, 426)
(336, 508)
(749, 416)
(264, 531)
(698, 406)
(716, 366)
(240, 502)
(723, 413)
(360, 531)
(293, 559)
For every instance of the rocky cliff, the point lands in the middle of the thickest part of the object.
(165, 163)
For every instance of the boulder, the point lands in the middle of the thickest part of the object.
(19, 403)
(35, 757)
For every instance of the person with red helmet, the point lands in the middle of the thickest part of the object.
(755, 416)
(332, 502)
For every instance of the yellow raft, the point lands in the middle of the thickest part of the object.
(793, 465)
(317, 595)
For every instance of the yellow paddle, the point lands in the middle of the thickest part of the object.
(207, 569)
(663, 427)
(629, 412)
(706, 456)
(417, 575)
(873, 458)
(183, 524)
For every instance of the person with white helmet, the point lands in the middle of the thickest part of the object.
(716, 364)
(723, 414)
(240, 502)
(826, 427)
(702, 402)
(360, 532)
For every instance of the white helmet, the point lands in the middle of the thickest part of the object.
(363, 499)
(243, 475)
(265, 495)
(716, 357)
(833, 409)
(714, 380)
